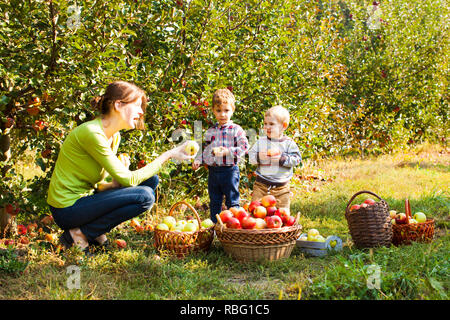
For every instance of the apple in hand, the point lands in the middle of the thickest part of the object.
(274, 222)
(420, 217)
(268, 201)
(260, 212)
(248, 223)
(191, 148)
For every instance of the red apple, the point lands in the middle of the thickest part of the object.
(21, 229)
(271, 211)
(260, 212)
(355, 207)
(268, 201)
(241, 215)
(252, 206)
(400, 218)
(274, 222)
(290, 221)
(248, 223)
(369, 201)
(121, 243)
(233, 223)
(282, 213)
(225, 215)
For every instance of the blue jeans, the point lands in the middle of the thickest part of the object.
(223, 181)
(97, 214)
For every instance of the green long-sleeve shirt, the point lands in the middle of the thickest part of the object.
(85, 159)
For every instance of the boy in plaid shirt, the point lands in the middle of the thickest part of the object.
(225, 145)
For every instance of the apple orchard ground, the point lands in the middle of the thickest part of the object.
(322, 190)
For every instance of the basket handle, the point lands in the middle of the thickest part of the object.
(220, 222)
(357, 194)
(189, 206)
(407, 210)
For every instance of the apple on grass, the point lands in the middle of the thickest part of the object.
(121, 243)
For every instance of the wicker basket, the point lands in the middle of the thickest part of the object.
(248, 245)
(184, 243)
(406, 233)
(371, 226)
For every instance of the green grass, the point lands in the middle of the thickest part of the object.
(417, 271)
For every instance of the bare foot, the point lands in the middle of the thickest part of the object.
(79, 239)
(101, 239)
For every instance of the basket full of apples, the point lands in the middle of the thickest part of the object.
(183, 237)
(407, 227)
(369, 222)
(259, 230)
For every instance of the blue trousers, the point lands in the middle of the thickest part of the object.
(223, 181)
(97, 214)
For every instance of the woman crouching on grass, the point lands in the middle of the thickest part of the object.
(82, 203)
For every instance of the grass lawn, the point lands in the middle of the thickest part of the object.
(321, 190)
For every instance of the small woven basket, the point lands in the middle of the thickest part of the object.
(408, 232)
(371, 226)
(183, 243)
(246, 245)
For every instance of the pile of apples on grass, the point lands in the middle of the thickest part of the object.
(257, 215)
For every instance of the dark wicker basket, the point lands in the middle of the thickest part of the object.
(184, 243)
(247, 245)
(406, 233)
(371, 226)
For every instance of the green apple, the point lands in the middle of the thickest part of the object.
(207, 223)
(192, 148)
(320, 238)
(420, 217)
(179, 228)
(313, 232)
(303, 238)
(392, 214)
(333, 243)
(412, 221)
(181, 222)
(312, 238)
(162, 226)
(190, 227)
(170, 221)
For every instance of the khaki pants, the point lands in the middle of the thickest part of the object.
(282, 194)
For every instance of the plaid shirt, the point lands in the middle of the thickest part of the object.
(229, 135)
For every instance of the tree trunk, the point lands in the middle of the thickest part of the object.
(8, 225)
